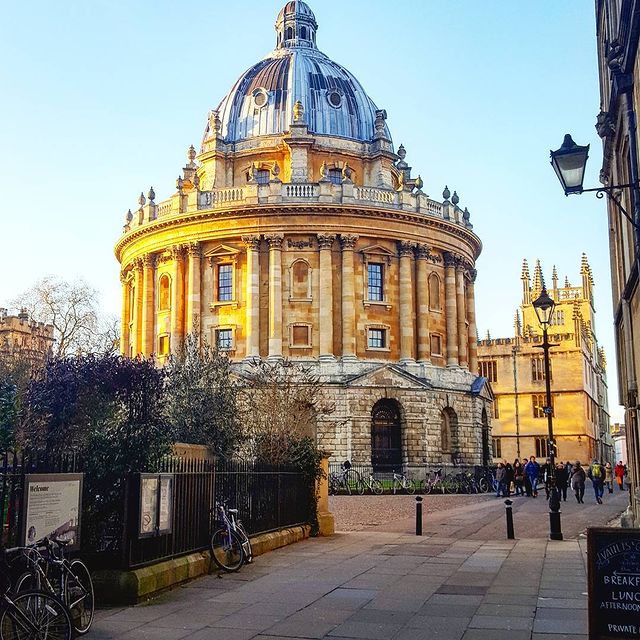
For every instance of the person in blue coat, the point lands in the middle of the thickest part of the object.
(532, 470)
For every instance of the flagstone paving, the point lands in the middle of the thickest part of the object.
(459, 581)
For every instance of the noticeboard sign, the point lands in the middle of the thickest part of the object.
(156, 504)
(614, 583)
(52, 507)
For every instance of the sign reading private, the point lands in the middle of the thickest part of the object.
(614, 583)
(52, 506)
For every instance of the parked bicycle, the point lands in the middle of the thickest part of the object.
(371, 484)
(438, 482)
(402, 483)
(49, 570)
(32, 614)
(230, 545)
(348, 481)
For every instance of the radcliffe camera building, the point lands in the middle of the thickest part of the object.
(299, 231)
(515, 368)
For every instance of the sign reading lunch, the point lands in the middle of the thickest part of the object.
(614, 583)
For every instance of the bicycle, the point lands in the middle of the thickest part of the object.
(372, 484)
(49, 570)
(349, 481)
(440, 483)
(401, 482)
(229, 545)
(30, 615)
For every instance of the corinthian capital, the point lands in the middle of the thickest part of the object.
(406, 248)
(124, 276)
(275, 240)
(194, 249)
(251, 242)
(450, 259)
(177, 251)
(325, 240)
(149, 261)
(472, 274)
(348, 241)
(137, 264)
(422, 251)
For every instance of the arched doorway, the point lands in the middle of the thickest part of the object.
(486, 451)
(386, 436)
(449, 436)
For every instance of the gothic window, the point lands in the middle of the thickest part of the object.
(538, 403)
(496, 446)
(489, 370)
(335, 176)
(541, 447)
(557, 318)
(262, 176)
(375, 289)
(386, 436)
(434, 292)
(537, 369)
(496, 408)
(164, 293)
(300, 280)
(225, 282)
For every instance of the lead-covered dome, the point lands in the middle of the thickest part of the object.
(261, 101)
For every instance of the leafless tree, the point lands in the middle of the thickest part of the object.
(73, 310)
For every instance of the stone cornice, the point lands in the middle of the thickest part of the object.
(310, 211)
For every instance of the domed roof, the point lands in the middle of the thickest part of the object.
(261, 101)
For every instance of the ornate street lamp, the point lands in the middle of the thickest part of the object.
(544, 306)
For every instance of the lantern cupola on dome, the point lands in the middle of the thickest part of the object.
(296, 26)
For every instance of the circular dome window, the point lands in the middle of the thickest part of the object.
(260, 98)
(334, 98)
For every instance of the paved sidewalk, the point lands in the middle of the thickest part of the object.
(388, 585)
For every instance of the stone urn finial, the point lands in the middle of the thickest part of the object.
(298, 112)
(142, 200)
(446, 194)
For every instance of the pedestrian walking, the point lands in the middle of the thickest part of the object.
(508, 478)
(500, 479)
(518, 477)
(620, 473)
(562, 479)
(578, 478)
(532, 471)
(596, 474)
(608, 477)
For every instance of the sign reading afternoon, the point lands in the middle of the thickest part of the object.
(52, 504)
(614, 583)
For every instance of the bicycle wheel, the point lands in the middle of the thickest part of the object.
(226, 549)
(353, 480)
(246, 543)
(28, 582)
(409, 486)
(426, 487)
(35, 614)
(376, 486)
(78, 596)
(483, 485)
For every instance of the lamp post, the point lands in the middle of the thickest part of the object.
(544, 306)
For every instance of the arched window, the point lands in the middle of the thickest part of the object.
(289, 33)
(164, 295)
(434, 292)
(386, 436)
(303, 33)
(449, 431)
(300, 280)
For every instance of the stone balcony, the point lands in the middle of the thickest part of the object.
(276, 192)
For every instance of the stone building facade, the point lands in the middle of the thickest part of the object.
(515, 368)
(299, 231)
(618, 37)
(24, 339)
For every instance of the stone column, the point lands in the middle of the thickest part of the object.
(348, 242)
(275, 294)
(450, 308)
(325, 242)
(177, 300)
(148, 298)
(137, 308)
(463, 359)
(126, 315)
(471, 317)
(194, 253)
(422, 303)
(407, 335)
(252, 321)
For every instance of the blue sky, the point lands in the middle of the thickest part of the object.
(101, 99)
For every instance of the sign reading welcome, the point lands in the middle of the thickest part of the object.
(614, 583)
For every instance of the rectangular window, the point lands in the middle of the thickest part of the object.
(300, 336)
(163, 345)
(489, 370)
(225, 282)
(224, 339)
(335, 175)
(377, 338)
(436, 345)
(496, 446)
(496, 408)
(374, 273)
(538, 402)
(541, 447)
(557, 319)
(262, 176)
(537, 369)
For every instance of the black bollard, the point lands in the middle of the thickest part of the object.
(418, 515)
(510, 533)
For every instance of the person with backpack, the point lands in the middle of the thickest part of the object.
(596, 473)
(532, 471)
(620, 473)
(578, 478)
(608, 477)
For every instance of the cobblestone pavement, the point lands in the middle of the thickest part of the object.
(383, 582)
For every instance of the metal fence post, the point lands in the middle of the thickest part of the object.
(418, 515)
(509, 512)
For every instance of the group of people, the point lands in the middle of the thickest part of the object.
(522, 478)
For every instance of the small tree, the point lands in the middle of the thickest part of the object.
(15, 373)
(202, 398)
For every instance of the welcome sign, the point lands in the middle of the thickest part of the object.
(614, 583)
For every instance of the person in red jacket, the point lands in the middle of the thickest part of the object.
(620, 471)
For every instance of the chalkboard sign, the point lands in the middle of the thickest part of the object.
(614, 583)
